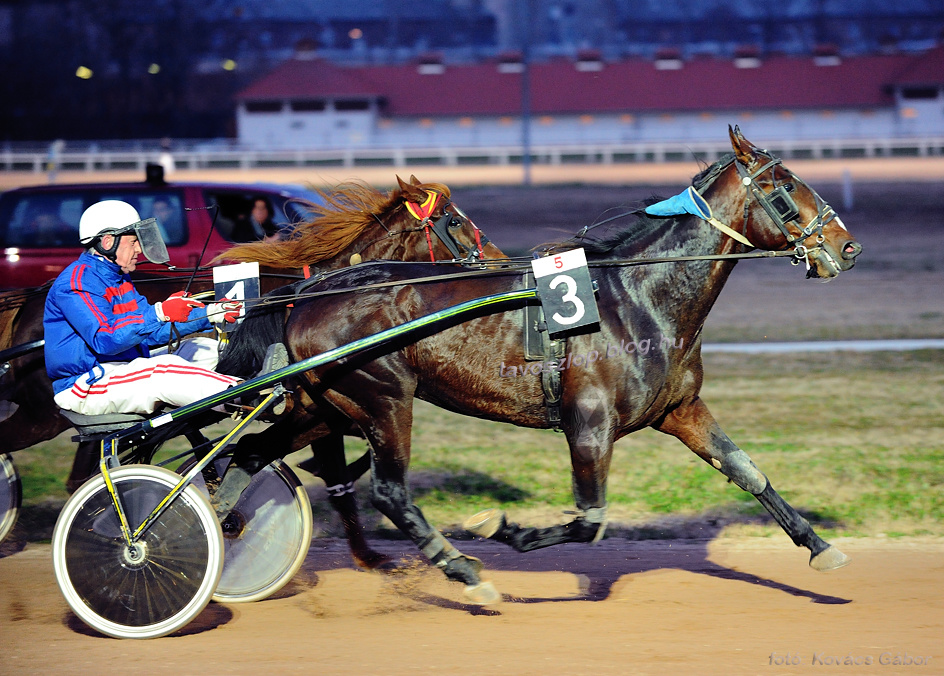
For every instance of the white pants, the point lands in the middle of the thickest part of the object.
(140, 386)
(198, 350)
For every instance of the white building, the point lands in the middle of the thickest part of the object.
(309, 103)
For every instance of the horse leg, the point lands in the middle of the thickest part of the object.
(591, 446)
(694, 426)
(388, 432)
(339, 481)
(31, 424)
(251, 453)
(84, 464)
(255, 451)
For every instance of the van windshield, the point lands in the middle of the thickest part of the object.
(51, 220)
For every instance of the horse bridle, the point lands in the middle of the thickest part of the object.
(779, 206)
(442, 228)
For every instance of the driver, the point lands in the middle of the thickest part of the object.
(99, 328)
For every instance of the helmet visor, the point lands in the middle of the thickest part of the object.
(151, 241)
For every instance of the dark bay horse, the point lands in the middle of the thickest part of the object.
(458, 367)
(415, 221)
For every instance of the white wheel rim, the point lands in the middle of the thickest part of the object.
(193, 503)
(10, 495)
(276, 525)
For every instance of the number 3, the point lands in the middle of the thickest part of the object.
(570, 296)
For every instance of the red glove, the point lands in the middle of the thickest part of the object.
(176, 308)
(227, 311)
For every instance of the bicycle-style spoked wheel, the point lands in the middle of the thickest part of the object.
(160, 583)
(10, 495)
(267, 535)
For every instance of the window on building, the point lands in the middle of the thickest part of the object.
(344, 105)
(307, 106)
(263, 106)
(926, 93)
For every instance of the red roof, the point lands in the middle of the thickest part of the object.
(924, 69)
(634, 85)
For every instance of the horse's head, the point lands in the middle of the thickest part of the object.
(781, 210)
(450, 233)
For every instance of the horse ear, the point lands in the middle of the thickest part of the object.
(411, 193)
(743, 149)
(414, 180)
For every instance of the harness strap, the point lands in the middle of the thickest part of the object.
(483, 271)
(429, 241)
(478, 240)
(729, 231)
(19, 350)
(554, 348)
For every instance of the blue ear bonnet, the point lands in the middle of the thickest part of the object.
(686, 202)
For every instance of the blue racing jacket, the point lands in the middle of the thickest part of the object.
(94, 314)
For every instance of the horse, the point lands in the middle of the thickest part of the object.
(456, 366)
(355, 222)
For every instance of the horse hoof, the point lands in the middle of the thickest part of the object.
(375, 561)
(481, 594)
(829, 559)
(485, 523)
(474, 563)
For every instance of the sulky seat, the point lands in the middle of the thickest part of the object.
(95, 427)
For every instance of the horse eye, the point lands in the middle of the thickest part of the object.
(789, 187)
(455, 223)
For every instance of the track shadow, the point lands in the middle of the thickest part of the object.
(600, 567)
(211, 617)
(683, 544)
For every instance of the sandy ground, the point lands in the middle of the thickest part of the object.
(725, 606)
(918, 169)
(731, 606)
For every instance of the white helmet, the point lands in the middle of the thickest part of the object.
(108, 217)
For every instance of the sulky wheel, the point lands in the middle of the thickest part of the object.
(267, 535)
(158, 585)
(10, 495)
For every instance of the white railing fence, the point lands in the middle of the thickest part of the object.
(210, 155)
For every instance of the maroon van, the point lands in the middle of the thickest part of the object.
(39, 225)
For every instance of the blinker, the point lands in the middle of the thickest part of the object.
(780, 206)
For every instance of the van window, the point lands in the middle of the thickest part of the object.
(167, 208)
(51, 220)
(234, 221)
(41, 221)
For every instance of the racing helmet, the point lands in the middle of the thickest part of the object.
(114, 217)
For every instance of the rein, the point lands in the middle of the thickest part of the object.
(509, 268)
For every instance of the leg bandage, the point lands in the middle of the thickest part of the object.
(739, 467)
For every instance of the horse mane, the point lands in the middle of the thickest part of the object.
(347, 211)
(263, 325)
(640, 227)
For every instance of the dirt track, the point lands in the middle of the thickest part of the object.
(727, 606)
(658, 607)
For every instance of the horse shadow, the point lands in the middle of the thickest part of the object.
(675, 544)
(681, 544)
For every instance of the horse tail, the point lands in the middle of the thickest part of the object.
(262, 326)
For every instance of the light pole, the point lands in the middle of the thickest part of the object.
(526, 96)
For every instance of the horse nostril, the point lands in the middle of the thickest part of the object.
(851, 250)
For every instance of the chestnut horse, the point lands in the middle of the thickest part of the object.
(355, 222)
(457, 367)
